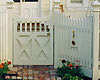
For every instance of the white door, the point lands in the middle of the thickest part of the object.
(30, 9)
(33, 43)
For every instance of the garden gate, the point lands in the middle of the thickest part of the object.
(33, 41)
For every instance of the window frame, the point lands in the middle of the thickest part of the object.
(26, 1)
(77, 5)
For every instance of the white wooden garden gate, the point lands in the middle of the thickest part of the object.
(33, 41)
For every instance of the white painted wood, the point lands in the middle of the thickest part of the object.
(30, 9)
(64, 49)
(84, 4)
(3, 34)
(96, 42)
(33, 47)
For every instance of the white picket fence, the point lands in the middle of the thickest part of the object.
(70, 31)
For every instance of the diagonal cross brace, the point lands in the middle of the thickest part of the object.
(24, 47)
(42, 46)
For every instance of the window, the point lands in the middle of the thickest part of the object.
(76, 1)
(16, 0)
(31, 0)
(26, 0)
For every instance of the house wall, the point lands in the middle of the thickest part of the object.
(45, 7)
(77, 11)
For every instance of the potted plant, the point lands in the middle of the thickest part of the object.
(4, 68)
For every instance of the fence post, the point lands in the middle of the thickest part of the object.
(10, 30)
(96, 10)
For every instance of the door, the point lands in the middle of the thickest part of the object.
(33, 43)
(30, 9)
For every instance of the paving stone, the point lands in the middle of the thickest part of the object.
(42, 72)
(53, 78)
(48, 79)
(36, 79)
(42, 78)
(19, 77)
(11, 72)
(58, 78)
(30, 77)
(7, 77)
(20, 73)
(25, 77)
(13, 77)
(47, 72)
(47, 75)
(36, 73)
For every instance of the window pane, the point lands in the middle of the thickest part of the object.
(76, 1)
(31, 0)
(26, 0)
(16, 0)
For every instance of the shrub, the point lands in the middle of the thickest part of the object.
(4, 67)
(70, 71)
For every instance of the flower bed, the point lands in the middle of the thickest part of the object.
(70, 71)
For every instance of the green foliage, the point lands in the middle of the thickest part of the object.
(70, 77)
(70, 71)
(4, 67)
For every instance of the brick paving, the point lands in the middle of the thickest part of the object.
(33, 73)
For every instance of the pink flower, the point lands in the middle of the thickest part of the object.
(70, 67)
(75, 67)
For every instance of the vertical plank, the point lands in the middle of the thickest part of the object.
(45, 27)
(35, 26)
(6, 22)
(30, 26)
(1, 35)
(80, 40)
(20, 26)
(25, 26)
(40, 27)
(4, 36)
